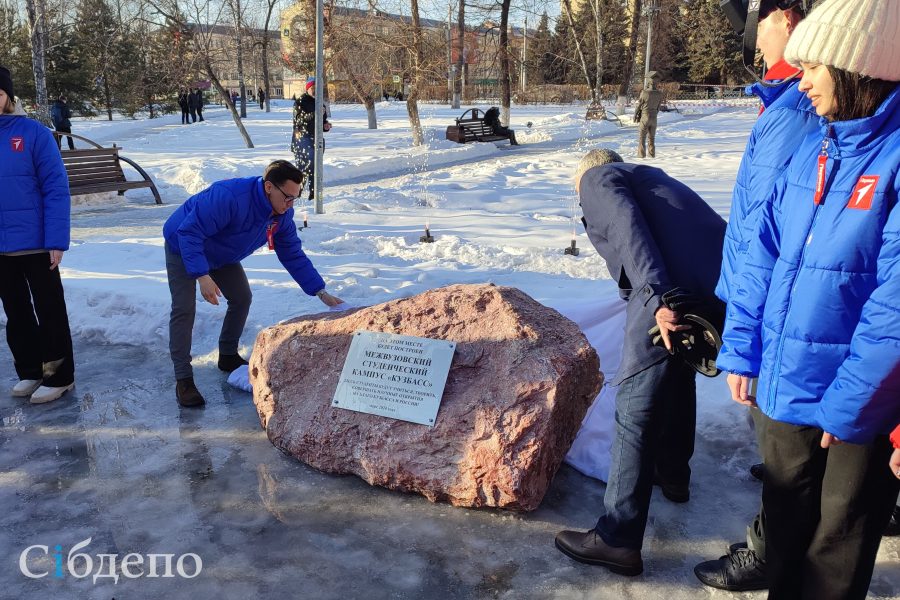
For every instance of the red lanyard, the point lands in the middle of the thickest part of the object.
(270, 234)
(820, 172)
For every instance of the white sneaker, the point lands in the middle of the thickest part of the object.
(48, 394)
(25, 387)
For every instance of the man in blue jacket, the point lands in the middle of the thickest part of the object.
(206, 239)
(787, 118)
(657, 236)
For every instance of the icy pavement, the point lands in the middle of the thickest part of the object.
(118, 462)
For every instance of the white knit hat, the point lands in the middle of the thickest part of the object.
(859, 36)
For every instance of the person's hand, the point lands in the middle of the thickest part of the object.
(740, 389)
(829, 440)
(895, 463)
(209, 290)
(55, 258)
(667, 321)
(327, 126)
(329, 300)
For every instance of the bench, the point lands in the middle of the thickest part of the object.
(474, 129)
(99, 169)
(596, 112)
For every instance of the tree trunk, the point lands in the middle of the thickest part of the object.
(598, 58)
(107, 95)
(361, 93)
(631, 50)
(418, 61)
(265, 56)
(567, 8)
(227, 97)
(239, 37)
(461, 41)
(505, 84)
(37, 24)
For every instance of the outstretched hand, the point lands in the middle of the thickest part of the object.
(209, 290)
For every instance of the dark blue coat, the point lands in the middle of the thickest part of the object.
(34, 189)
(227, 222)
(655, 234)
(815, 311)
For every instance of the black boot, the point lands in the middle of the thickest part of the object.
(757, 471)
(589, 548)
(741, 570)
(674, 492)
(230, 362)
(893, 527)
(187, 393)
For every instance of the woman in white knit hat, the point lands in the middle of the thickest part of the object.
(816, 315)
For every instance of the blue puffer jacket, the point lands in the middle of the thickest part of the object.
(227, 222)
(34, 189)
(816, 310)
(787, 119)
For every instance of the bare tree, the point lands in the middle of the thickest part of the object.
(200, 37)
(570, 20)
(628, 71)
(505, 83)
(239, 45)
(37, 25)
(270, 7)
(460, 58)
(418, 63)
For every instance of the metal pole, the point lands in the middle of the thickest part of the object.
(320, 96)
(524, 47)
(651, 11)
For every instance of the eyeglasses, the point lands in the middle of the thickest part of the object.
(287, 198)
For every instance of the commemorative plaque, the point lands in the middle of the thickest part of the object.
(396, 376)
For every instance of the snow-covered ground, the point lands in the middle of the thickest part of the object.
(500, 214)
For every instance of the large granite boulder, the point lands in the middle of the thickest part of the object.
(521, 380)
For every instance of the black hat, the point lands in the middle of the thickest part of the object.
(6, 83)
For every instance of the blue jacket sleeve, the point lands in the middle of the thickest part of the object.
(54, 183)
(610, 207)
(290, 252)
(742, 337)
(864, 398)
(214, 209)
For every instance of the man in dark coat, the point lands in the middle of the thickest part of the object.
(657, 237)
(183, 103)
(262, 97)
(61, 117)
(303, 141)
(198, 100)
(192, 106)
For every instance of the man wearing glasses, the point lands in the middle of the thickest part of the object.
(206, 239)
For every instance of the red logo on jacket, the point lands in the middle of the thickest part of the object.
(862, 195)
(17, 144)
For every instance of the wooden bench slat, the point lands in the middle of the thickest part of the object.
(76, 154)
(110, 187)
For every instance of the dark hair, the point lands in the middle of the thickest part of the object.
(280, 171)
(857, 96)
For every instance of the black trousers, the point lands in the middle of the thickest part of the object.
(71, 142)
(825, 512)
(37, 327)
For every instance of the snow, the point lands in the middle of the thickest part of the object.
(499, 214)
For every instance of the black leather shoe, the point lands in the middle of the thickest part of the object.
(230, 362)
(674, 492)
(741, 570)
(757, 471)
(589, 548)
(893, 526)
(187, 393)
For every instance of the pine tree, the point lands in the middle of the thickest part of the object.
(538, 57)
(713, 50)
